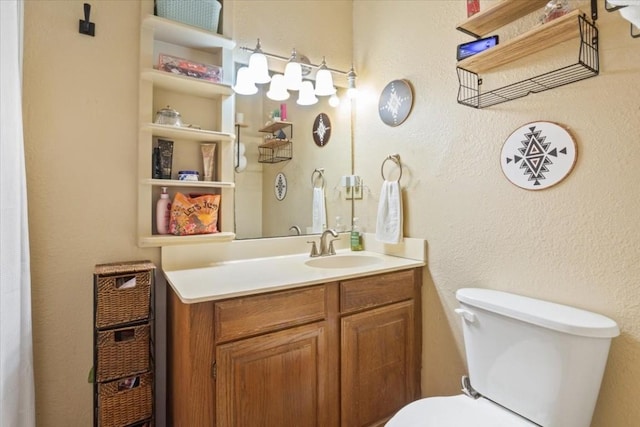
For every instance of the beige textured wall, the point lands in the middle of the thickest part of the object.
(575, 243)
(80, 116)
(80, 113)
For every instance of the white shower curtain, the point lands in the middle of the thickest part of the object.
(17, 396)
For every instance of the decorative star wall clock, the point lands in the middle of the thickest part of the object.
(321, 130)
(538, 155)
(280, 186)
(395, 102)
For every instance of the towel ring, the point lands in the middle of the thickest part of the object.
(320, 176)
(395, 158)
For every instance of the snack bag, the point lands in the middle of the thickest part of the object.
(194, 215)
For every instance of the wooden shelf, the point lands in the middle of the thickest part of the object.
(185, 35)
(186, 85)
(275, 126)
(178, 183)
(189, 133)
(539, 38)
(499, 15)
(575, 24)
(168, 239)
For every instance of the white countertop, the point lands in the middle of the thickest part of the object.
(235, 278)
(209, 272)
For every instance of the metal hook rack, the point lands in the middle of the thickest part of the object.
(320, 176)
(395, 158)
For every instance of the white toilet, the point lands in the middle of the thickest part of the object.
(531, 363)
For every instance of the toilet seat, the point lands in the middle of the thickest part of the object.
(456, 411)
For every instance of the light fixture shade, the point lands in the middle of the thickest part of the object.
(324, 81)
(277, 90)
(293, 75)
(306, 95)
(259, 68)
(244, 83)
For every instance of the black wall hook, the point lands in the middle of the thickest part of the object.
(87, 27)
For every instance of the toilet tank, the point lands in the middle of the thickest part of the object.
(543, 361)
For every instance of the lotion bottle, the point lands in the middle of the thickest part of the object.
(163, 212)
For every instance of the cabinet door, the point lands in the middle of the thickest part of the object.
(379, 364)
(275, 380)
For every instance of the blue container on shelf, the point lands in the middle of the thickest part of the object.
(204, 14)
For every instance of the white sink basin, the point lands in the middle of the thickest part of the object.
(343, 261)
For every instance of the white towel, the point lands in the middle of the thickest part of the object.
(389, 222)
(318, 211)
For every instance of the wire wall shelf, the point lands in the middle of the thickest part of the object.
(275, 151)
(470, 90)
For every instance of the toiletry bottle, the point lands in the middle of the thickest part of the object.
(356, 236)
(163, 212)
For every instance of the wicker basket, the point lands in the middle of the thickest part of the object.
(125, 401)
(118, 302)
(198, 13)
(122, 352)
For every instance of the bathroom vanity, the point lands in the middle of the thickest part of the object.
(334, 346)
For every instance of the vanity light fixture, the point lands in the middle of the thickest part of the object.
(257, 72)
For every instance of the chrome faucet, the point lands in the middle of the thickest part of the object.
(296, 229)
(327, 249)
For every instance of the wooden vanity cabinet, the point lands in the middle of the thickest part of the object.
(338, 354)
(380, 346)
(274, 360)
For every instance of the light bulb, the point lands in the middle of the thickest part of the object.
(334, 101)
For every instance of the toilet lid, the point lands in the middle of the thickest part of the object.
(456, 411)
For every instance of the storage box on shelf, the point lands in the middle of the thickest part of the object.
(212, 102)
(200, 13)
(123, 343)
(573, 25)
(276, 149)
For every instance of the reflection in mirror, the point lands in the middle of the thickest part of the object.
(258, 210)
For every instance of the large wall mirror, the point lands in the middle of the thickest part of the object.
(262, 207)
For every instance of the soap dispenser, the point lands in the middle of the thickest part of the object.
(356, 236)
(163, 212)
